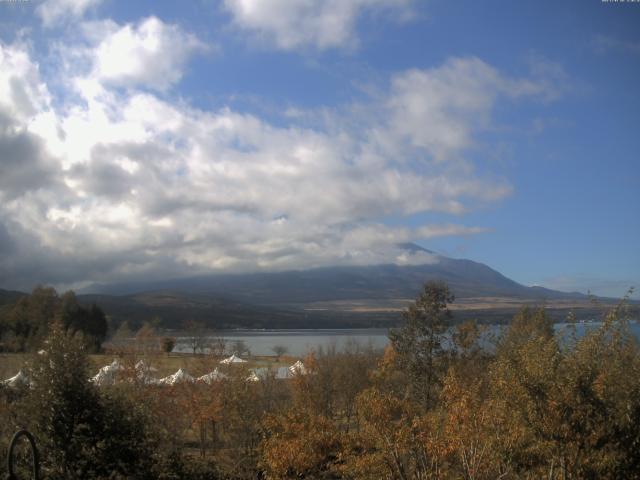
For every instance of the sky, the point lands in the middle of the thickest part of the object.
(155, 139)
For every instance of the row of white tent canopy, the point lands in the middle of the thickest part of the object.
(107, 374)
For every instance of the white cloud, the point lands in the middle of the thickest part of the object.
(127, 184)
(441, 109)
(52, 12)
(22, 95)
(25, 163)
(150, 53)
(323, 24)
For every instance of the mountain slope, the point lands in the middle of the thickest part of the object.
(174, 309)
(466, 278)
(332, 297)
(9, 297)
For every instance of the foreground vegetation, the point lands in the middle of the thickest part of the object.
(534, 406)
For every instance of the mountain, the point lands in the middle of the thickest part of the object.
(173, 309)
(466, 278)
(332, 297)
(9, 297)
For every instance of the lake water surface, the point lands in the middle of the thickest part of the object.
(300, 342)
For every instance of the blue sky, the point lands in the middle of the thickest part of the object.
(157, 138)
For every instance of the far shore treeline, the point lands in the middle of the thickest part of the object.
(534, 407)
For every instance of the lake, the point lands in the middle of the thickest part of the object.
(300, 342)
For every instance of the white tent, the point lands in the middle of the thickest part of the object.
(232, 359)
(283, 373)
(143, 372)
(258, 374)
(181, 376)
(148, 379)
(18, 380)
(115, 365)
(141, 366)
(112, 368)
(107, 374)
(211, 377)
(298, 368)
(104, 377)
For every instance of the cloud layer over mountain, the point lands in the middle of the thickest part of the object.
(108, 173)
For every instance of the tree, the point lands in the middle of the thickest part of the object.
(167, 344)
(299, 444)
(197, 338)
(573, 409)
(91, 321)
(418, 343)
(279, 350)
(123, 332)
(64, 406)
(527, 324)
(243, 406)
(239, 347)
(42, 306)
(304, 441)
(82, 434)
(395, 439)
(29, 320)
(146, 338)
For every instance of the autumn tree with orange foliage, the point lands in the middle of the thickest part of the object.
(575, 407)
(304, 440)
